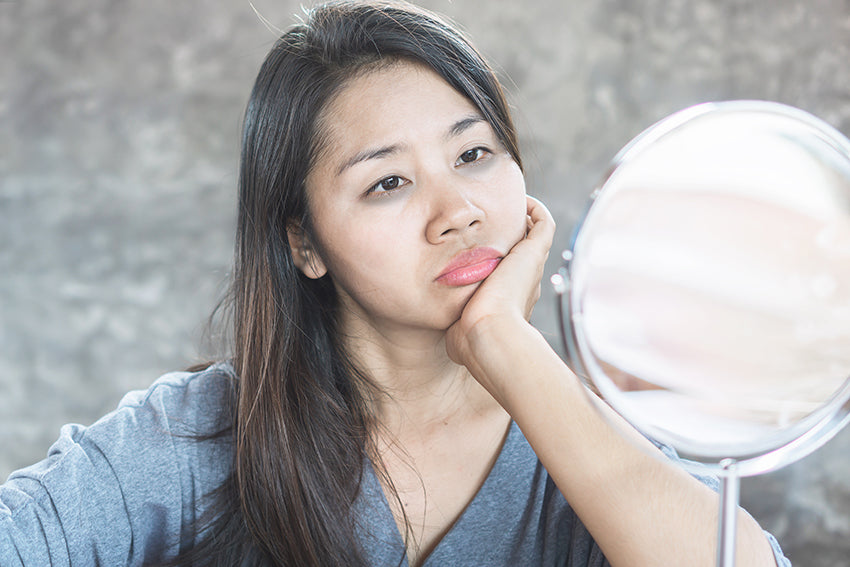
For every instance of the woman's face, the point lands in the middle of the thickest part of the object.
(413, 200)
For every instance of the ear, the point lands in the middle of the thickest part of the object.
(306, 257)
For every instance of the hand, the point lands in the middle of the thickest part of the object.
(507, 297)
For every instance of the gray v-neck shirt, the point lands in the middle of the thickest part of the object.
(128, 489)
(518, 517)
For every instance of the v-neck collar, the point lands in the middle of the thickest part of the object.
(379, 532)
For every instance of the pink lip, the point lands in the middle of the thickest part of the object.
(470, 266)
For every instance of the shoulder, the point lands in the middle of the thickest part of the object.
(130, 486)
(200, 401)
(176, 431)
(178, 408)
(173, 418)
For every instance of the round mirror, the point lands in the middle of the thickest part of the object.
(706, 293)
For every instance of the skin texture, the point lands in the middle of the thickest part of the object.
(409, 178)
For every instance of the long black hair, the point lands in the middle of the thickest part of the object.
(301, 421)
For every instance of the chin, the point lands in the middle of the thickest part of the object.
(465, 294)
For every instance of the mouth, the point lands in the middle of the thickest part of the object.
(470, 266)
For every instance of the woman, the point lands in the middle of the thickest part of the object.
(387, 400)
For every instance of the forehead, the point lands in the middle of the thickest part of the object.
(396, 100)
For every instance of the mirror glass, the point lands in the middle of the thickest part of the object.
(708, 296)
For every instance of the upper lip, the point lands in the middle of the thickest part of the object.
(470, 257)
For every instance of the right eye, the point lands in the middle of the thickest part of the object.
(387, 185)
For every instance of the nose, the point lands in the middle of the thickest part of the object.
(452, 212)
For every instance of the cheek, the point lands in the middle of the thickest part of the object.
(513, 205)
(519, 222)
(359, 251)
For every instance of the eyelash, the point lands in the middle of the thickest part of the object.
(478, 153)
(377, 188)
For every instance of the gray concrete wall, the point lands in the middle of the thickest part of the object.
(119, 122)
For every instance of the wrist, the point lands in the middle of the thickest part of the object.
(503, 352)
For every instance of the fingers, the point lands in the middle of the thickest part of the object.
(540, 222)
(539, 216)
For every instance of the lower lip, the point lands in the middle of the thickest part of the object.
(471, 274)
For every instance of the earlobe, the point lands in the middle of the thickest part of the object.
(304, 255)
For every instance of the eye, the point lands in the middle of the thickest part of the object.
(471, 156)
(386, 185)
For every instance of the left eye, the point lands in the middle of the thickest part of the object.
(470, 156)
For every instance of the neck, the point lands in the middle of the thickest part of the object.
(419, 385)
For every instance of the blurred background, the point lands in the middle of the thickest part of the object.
(119, 127)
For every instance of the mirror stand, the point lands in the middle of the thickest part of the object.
(730, 490)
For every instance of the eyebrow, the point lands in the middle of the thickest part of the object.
(456, 129)
(366, 155)
(464, 124)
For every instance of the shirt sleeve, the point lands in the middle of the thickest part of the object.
(121, 492)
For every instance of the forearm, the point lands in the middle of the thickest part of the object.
(641, 509)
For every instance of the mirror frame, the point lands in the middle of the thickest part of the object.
(789, 444)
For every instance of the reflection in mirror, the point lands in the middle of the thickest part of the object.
(706, 294)
(710, 280)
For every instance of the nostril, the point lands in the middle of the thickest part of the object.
(451, 229)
